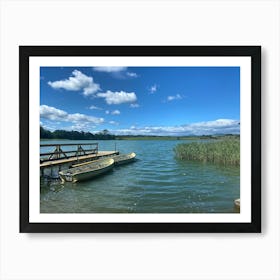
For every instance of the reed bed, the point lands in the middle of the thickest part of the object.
(225, 152)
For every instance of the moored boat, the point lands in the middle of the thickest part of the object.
(122, 159)
(118, 159)
(86, 171)
(237, 203)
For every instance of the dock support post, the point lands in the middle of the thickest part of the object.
(51, 171)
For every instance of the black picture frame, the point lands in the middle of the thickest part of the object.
(254, 52)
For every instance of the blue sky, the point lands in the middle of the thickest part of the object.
(141, 100)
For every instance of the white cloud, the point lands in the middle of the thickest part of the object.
(77, 82)
(77, 117)
(115, 112)
(79, 120)
(174, 97)
(79, 127)
(153, 88)
(53, 114)
(110, 69)
(119, 72)
(131, 74)
(49, 126)
(217, 125)
(92, 107)
(113, 122)
(220, 126)
(134, 105)
(118, 97)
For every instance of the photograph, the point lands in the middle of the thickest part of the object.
(120, 139)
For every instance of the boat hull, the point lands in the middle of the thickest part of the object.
(119, 160)
(237, 203)
(91, 174)
(86, 172)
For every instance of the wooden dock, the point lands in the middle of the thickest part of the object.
(74, 159)
(55, 157)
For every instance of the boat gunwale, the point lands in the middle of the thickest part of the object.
(63, 172)
(131, 156)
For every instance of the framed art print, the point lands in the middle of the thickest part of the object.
(140, 138)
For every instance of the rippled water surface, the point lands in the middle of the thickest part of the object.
(155, 183)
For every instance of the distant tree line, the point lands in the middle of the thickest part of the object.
(105, 135)
(75, 135)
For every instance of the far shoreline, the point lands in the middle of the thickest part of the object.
(151, 137)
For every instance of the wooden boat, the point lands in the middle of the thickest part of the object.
(86, 171)
(122, 159)
(118, 159)
(237, 203)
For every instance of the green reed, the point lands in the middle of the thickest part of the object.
(225, 151)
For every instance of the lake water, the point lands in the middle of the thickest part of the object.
(155, 183)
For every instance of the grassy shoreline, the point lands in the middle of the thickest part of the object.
(225, 151)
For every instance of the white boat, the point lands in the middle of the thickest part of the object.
(86, 171)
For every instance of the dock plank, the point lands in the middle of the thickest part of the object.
(100, 154)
